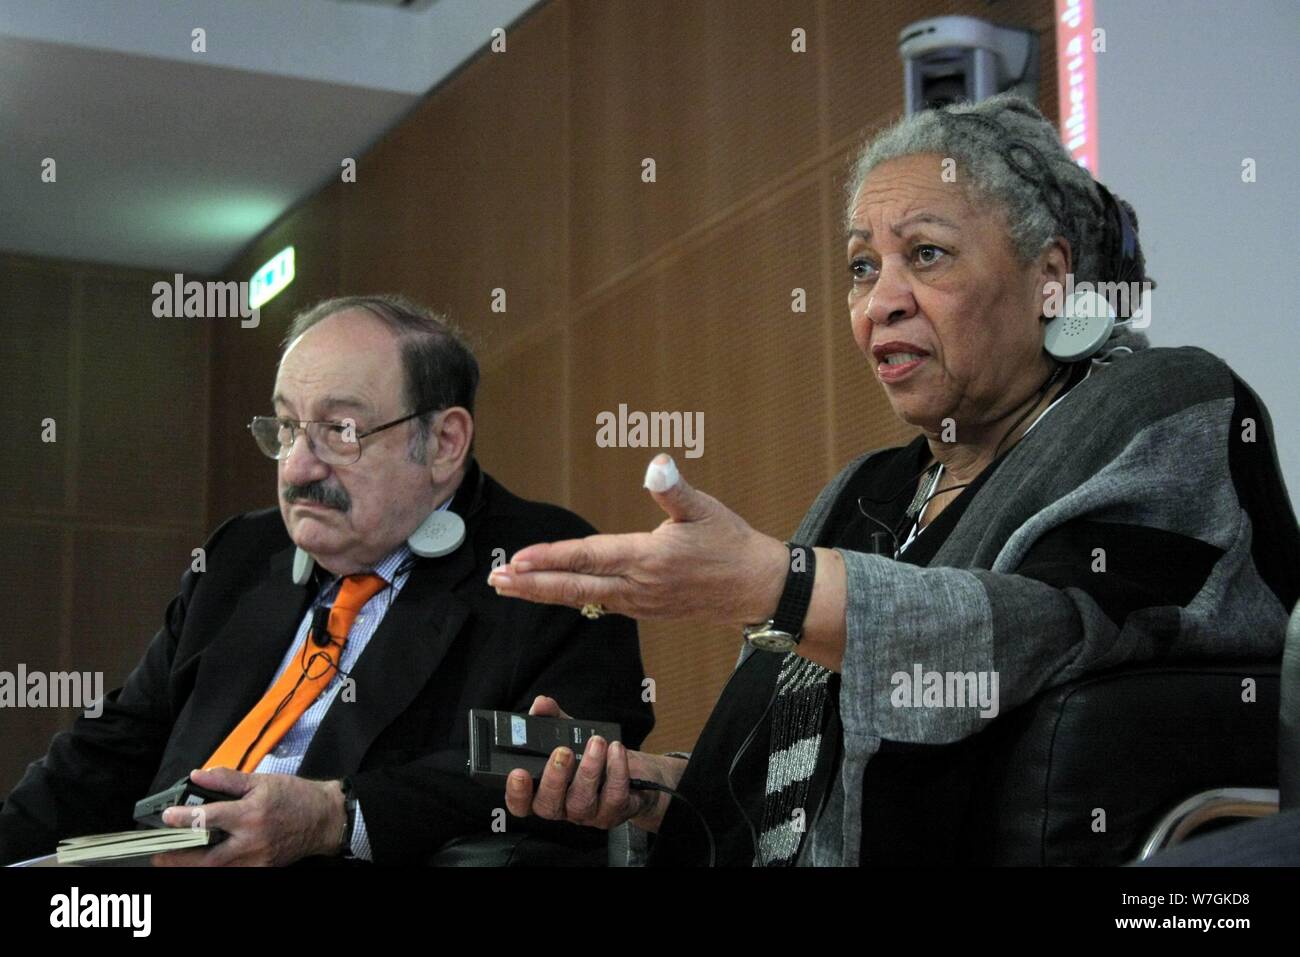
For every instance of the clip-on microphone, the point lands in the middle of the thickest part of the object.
(320, 634)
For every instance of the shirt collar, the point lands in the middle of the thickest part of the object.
(387, 567)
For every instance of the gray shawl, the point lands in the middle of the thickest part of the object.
(1144, 440)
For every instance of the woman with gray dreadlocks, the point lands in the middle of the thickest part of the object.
(986, 276)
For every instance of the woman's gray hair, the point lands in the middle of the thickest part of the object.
(976, 135)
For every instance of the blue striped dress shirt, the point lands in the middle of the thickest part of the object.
(286, 757)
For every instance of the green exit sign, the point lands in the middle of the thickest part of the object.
(271, 279)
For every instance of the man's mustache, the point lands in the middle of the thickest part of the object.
(317, 493)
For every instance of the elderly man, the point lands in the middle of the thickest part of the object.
(321, 668)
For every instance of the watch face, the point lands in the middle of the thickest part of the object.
(773, 641)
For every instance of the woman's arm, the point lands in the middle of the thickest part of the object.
(704, 562)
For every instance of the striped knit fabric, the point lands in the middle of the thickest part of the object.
(798, 716)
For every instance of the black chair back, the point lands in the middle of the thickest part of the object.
(1098, 762)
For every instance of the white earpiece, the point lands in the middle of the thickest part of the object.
(1081, 329)
(302, 567)
(439, 534)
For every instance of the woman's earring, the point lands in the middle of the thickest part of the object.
(439, 534)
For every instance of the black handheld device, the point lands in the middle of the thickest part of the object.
(500, 741)
(184, 793)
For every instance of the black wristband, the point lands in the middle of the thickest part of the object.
(796, 597)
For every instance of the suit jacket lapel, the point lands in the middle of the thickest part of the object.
(241, 661)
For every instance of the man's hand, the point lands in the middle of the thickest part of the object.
(277, 819)
(598, 793)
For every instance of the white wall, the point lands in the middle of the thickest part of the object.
(1187, 89)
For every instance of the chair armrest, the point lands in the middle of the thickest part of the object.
(1200, 809)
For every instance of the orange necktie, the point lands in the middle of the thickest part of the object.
(294, 692)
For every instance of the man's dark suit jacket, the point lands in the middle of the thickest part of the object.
(448, 644)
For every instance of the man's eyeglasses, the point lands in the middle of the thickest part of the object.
(333, 442)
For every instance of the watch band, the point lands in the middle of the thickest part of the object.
(792, 609)
(350, 817)
(784, 629)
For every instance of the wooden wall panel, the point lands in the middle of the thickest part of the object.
(32, 576)
(144, 421)
(95, 528)
(520, 423)
(36, 308)
(711, 91)
(468, 196)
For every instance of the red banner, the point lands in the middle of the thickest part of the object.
(1076, 81)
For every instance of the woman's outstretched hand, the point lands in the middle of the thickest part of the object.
(703, 562)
